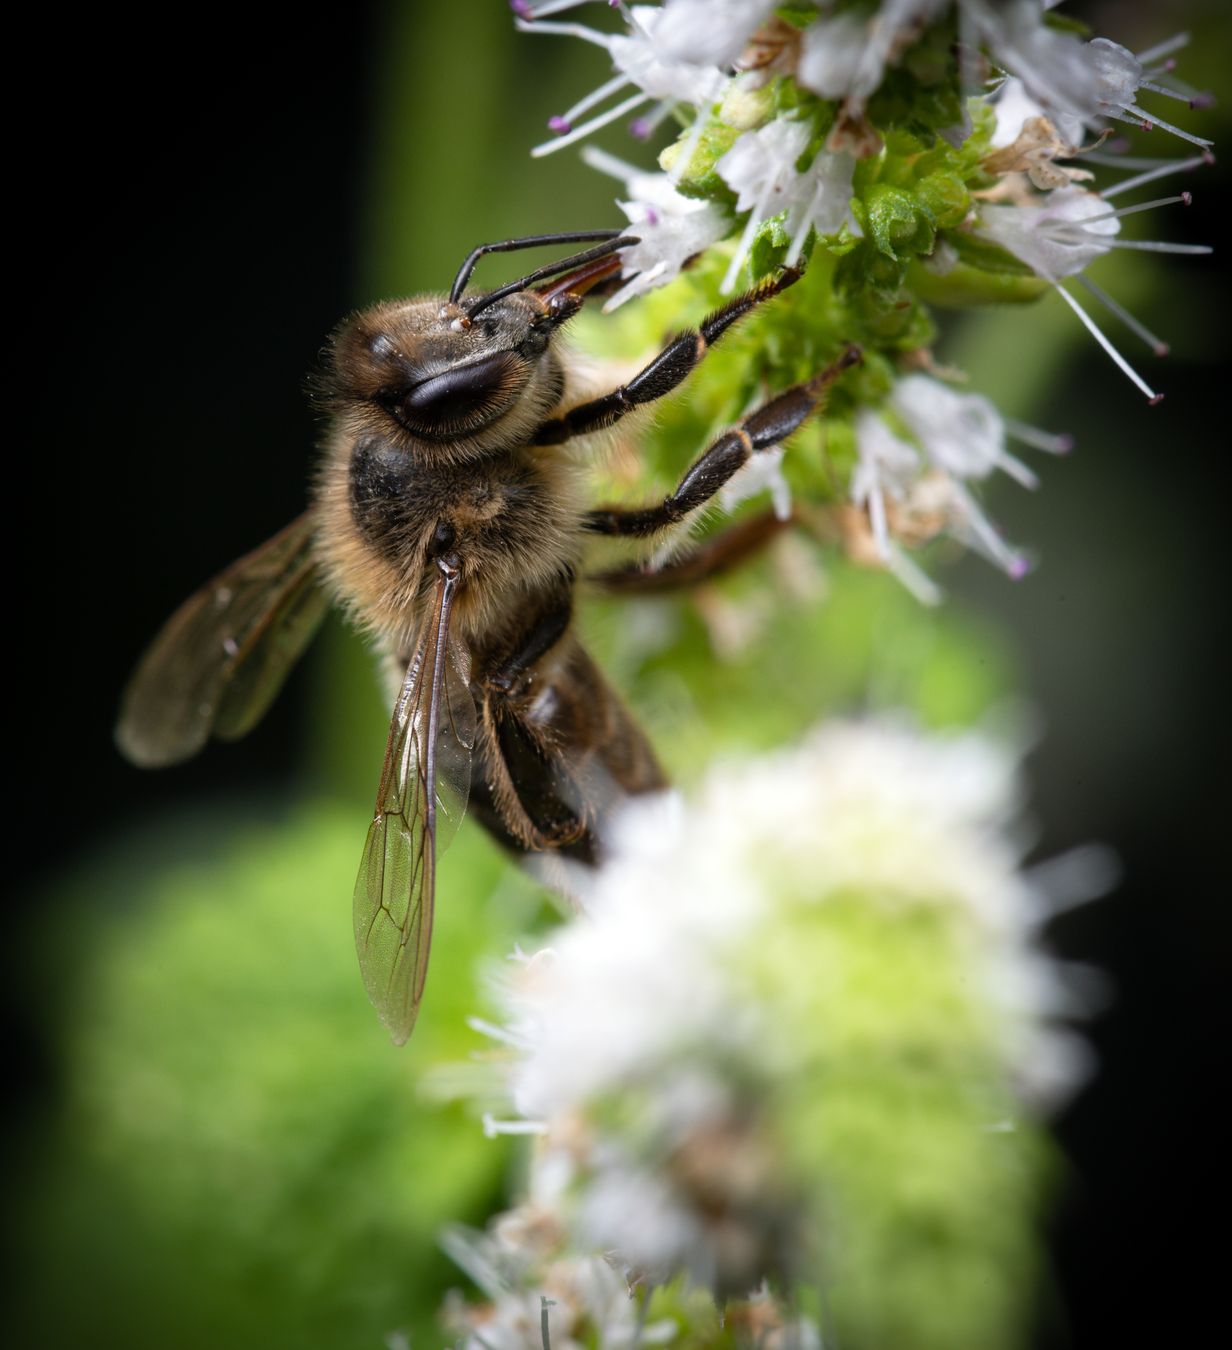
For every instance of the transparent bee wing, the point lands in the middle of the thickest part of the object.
(221, 658)
(422, 797)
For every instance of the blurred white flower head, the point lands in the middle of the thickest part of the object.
(672, 1037)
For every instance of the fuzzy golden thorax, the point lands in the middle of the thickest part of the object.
(429, 453)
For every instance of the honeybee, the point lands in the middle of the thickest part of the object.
(449, 520)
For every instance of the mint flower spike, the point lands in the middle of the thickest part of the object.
(642, 63)
(1066, 230)
(672, 228)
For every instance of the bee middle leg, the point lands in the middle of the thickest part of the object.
(763, 428)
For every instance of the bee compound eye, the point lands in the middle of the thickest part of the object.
(462, 398)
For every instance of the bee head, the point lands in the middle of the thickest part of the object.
(470, 375)
(427, 370)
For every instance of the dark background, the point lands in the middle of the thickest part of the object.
(194, 208)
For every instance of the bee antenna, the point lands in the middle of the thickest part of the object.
(613, 240)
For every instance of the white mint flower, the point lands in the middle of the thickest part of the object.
(672, 228)
(1057, 237)
(962, 434)
(887, 467)
(710, 32)
(964, 437)
(1067, 230)
(1014, 108)
(716, 984)
(1025, 140)
(761, 169)
(956, 439)
(641, 63)
(846, 56)
(1069, 78)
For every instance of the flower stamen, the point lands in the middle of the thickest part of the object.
(1135, 326)
(1105, 342)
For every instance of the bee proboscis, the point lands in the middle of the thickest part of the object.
(450, 520)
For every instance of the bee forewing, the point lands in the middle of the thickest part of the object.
(223, 655)
(421, 799)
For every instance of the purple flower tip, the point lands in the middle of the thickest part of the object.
(1019, 567)
(639, 128)
(652, 216)
(1065, 443)
(559, 125)
(1162, 349)
(522, 9)
(1155, 401)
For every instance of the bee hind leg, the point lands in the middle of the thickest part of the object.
(710, 558)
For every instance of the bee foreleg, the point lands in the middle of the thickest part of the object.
(764, 427)
(669, 369)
